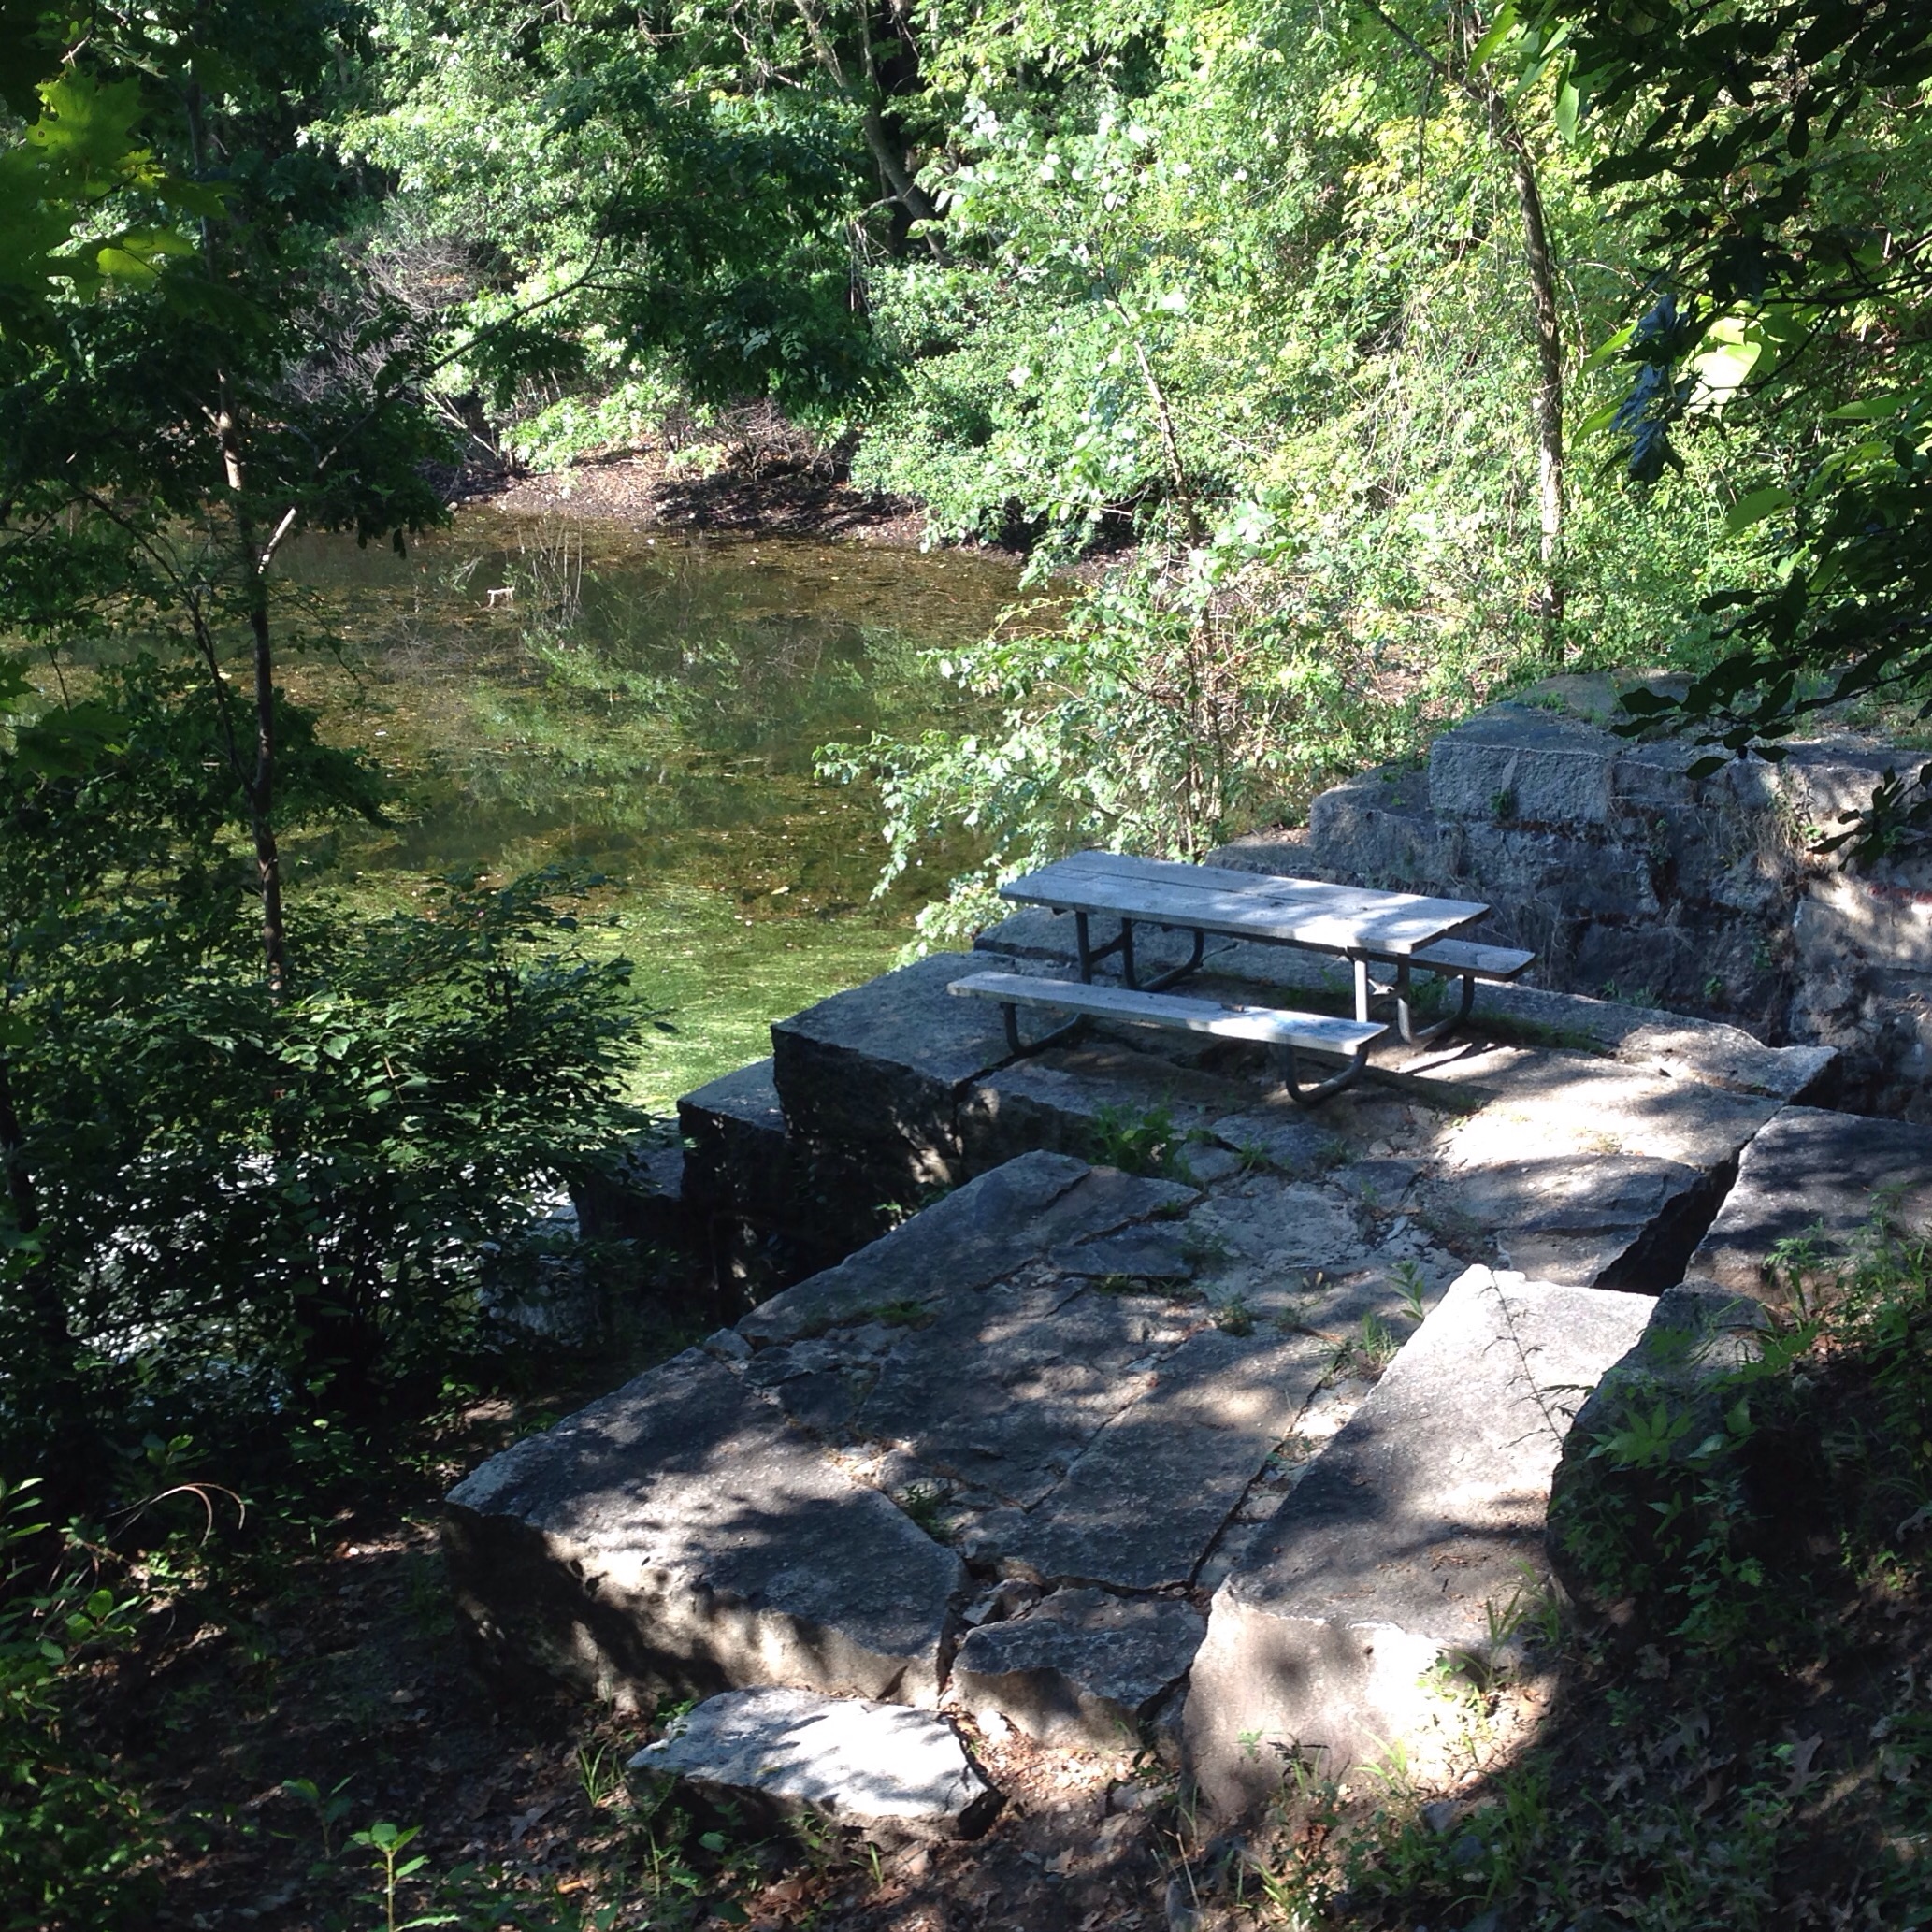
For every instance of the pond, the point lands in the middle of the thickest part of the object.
(554, 692)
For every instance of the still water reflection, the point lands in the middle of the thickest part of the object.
(557, 691)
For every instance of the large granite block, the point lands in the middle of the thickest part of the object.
(1513, 762)
(737, 1154)
(1378, 827)
(681, 1534)
(869, 1078)
(1596, 878)
(1818, 1176)
(966, 1239)
(1405, 1544)
(1842, 919)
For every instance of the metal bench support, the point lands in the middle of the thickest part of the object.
(1367, 989)
(1315, 1092)
(1091, 955)
(1058, 1036)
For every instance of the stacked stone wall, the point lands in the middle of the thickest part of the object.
(1630, 879)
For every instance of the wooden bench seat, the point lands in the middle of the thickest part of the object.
(1464, 956)
(1294, 1032)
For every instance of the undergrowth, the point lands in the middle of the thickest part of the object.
(1740, 1734)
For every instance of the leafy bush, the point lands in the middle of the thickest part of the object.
(1723, 1516)
(72, 1839)
(1167, 713)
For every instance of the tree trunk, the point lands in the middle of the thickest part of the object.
(1550, 478)
(259, 786)
(47, 1319)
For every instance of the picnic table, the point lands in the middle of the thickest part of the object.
(1390, 932)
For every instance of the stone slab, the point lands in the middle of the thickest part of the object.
(1009, 1385)
(1138, 1509)
(1840, 917)
(632, 1192)
(1607, 1220)
(870, 1077)
(1516, 762)
(1081, 1668)
(1154, 1253)
(1257, 1240)
(683, 1533)
(975, 1235)
(1810, 1173)
(1290, 1142)
(1410, 1529)
(735, 1143)
(885, 1771)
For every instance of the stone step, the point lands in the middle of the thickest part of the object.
(1828, 1180)
(1052, 1368)
(736, 1148)
(683, 1534)
(1413, 1541)
(870, 1080)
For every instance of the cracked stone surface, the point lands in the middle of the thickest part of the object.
(1079, 1668)
(683, 1533)
(1060, 1384)
(1406, 1541)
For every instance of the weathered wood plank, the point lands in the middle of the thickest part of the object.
(1483, 962)
(1315, 1032)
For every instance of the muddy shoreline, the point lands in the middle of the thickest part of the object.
(640, 490)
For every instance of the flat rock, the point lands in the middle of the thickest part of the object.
(975, 1235)
(1153, 1253)
(683, 1533)
(870, 1077)
(1611, 1221)
(1081, 1668)
(1070, 1099)
(1295, 1145)
(885, 1771)
(1591, 1173)
(1140, 1506)
(1256, 1240)
(1407, 1537)
(1816, 1175)
(1007, 1386)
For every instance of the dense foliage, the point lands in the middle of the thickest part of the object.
(1365, 359)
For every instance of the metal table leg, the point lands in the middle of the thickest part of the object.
(1314, 1093)
(1368, 990)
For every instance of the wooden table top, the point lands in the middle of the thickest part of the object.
(1245, 905)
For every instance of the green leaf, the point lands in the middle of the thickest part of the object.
(1569, 106)
(1754, 508)
(1606, 352)
(1500, 30)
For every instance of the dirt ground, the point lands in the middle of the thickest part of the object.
(302, 1694)
(748, 496)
